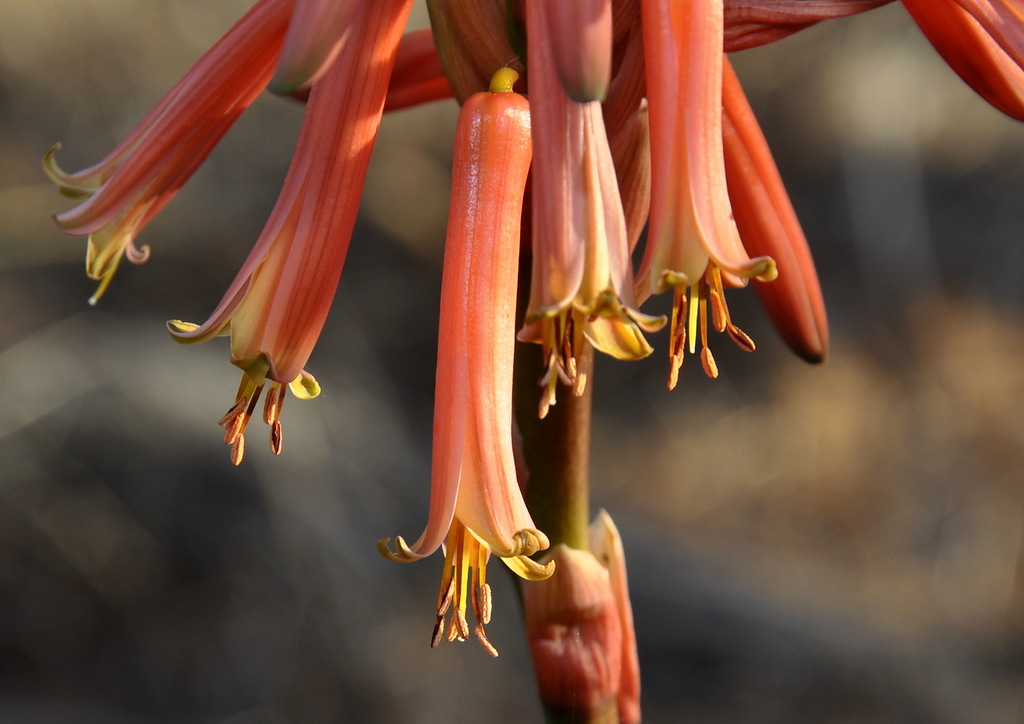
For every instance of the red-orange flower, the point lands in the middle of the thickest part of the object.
(476, 507)
(277, 305)
(693, 245)
(142, 174)
(581, 290)
(749, 23)
(768, 226)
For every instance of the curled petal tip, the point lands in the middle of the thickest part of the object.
(178, 327)
(765, 270)
(62, 179)
(529, 569)
(305, 386)
(384, 548)
(189, 332)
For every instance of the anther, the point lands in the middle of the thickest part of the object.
(235, 410)
(673, 371)
(482, 638)
(238, 450)
(438, 634)
(740, 338)
(276, 437)
(459, 625)
(707, 360)
(484, 614)
(446, 600)
(233, 427)
(272, 404)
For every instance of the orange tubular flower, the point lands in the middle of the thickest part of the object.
(581, 289)
(693, 244)
(983, 41)
(142, 174)
(276, 306)
(476, 507)
(769, 226)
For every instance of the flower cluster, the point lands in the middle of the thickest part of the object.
(627, 116)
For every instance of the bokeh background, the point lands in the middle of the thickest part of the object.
(842, 543)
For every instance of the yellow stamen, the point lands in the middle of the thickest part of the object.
(560, 338)
(692, 304)
(694, 312)
(464, 583)
(236, 420)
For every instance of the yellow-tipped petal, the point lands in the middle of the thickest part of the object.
(305, 386)
(66, 183)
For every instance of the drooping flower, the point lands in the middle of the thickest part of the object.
(579, 625)
(276, 306)
(693, 246)
(768, 226)
(476, 506)
(142, 174)
(581, 286)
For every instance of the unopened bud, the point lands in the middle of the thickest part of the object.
(574, 634)
(579, 625)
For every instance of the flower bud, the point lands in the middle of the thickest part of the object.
(768, 225)
(574, 634)
(580, 629)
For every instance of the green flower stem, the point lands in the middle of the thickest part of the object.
(557, 448)
(556, 451)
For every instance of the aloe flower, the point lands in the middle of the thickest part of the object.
(768, 225)
(142, 174)
(276, 306)
(581, 42)
(693, 247)
(476, 507)
(582, 288)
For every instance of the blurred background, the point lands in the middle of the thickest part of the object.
(842, 543)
